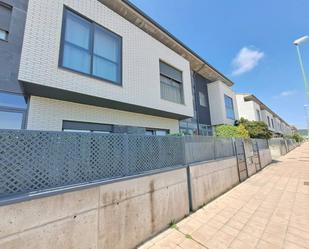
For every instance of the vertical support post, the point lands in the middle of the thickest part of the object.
(243, 145)
(258, 153)
(189, 188)
(186, 163)
(126, 154)
(236, 155)
(215, 152)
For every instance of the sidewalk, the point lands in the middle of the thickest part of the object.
(268, 211)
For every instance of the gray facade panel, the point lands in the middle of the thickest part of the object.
(203, 112)
(11, 50)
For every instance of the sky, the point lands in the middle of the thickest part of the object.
(251, 42)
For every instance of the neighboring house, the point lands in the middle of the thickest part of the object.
(251, 108)
(100, 66)
(13, 104)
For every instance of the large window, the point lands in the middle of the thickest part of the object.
(229, 107)
(5, 19)
(12, 111)
(202, 99)
(90, 49)
(171, 83)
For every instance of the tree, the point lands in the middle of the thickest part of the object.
(230, 131)
(297, 137)
(256, 129)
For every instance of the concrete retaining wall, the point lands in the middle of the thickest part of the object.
(118, 215)
(211, 179)
(265, 157)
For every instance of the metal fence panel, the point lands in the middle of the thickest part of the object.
(33, 161)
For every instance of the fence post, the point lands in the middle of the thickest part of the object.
(187, 165)
(215, 152)
(243, 145)
(236, 155)
(126, 154)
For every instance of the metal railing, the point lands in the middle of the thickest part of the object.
(34, 161)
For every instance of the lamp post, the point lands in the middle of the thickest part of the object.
(297, 43)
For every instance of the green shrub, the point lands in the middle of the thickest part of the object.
(297, 137)
(256, 129)
(230, 131)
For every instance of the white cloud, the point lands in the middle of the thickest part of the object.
(246, 60)
(286, 94)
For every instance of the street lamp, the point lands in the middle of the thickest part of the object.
(297, 43)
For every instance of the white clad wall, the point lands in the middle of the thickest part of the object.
(247, 109)
(216, 92)
(48, 114)
(141, 55)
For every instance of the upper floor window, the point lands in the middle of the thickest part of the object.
(171, 83)
(272, 123)
(5, 19)
(258, 113)
(90, 49)
(268, 121)
(202, 99)
(229, 107)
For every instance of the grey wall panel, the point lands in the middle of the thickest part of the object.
(11, 50)
(203, 112)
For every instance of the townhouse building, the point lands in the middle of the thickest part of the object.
(103, 66)
(253, 109)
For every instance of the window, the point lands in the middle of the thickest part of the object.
(3, 35)
(12, 111)
(258, 113)
(272, 123)
(268, 121)
(11, 120)
(73, 126)
(90, 49)
(202, 99)
(229, 107)
(5, 19)
(156, 132)
(171, 83)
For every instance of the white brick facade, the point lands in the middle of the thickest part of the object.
(141, 55)
(48, 114)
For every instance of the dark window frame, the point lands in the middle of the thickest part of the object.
(23, 111)
(174, 80)
(268, 121)
(93, 26)
(86, 126)
(226, 107)
(154, 130)
(7, 32)
(16, 110)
